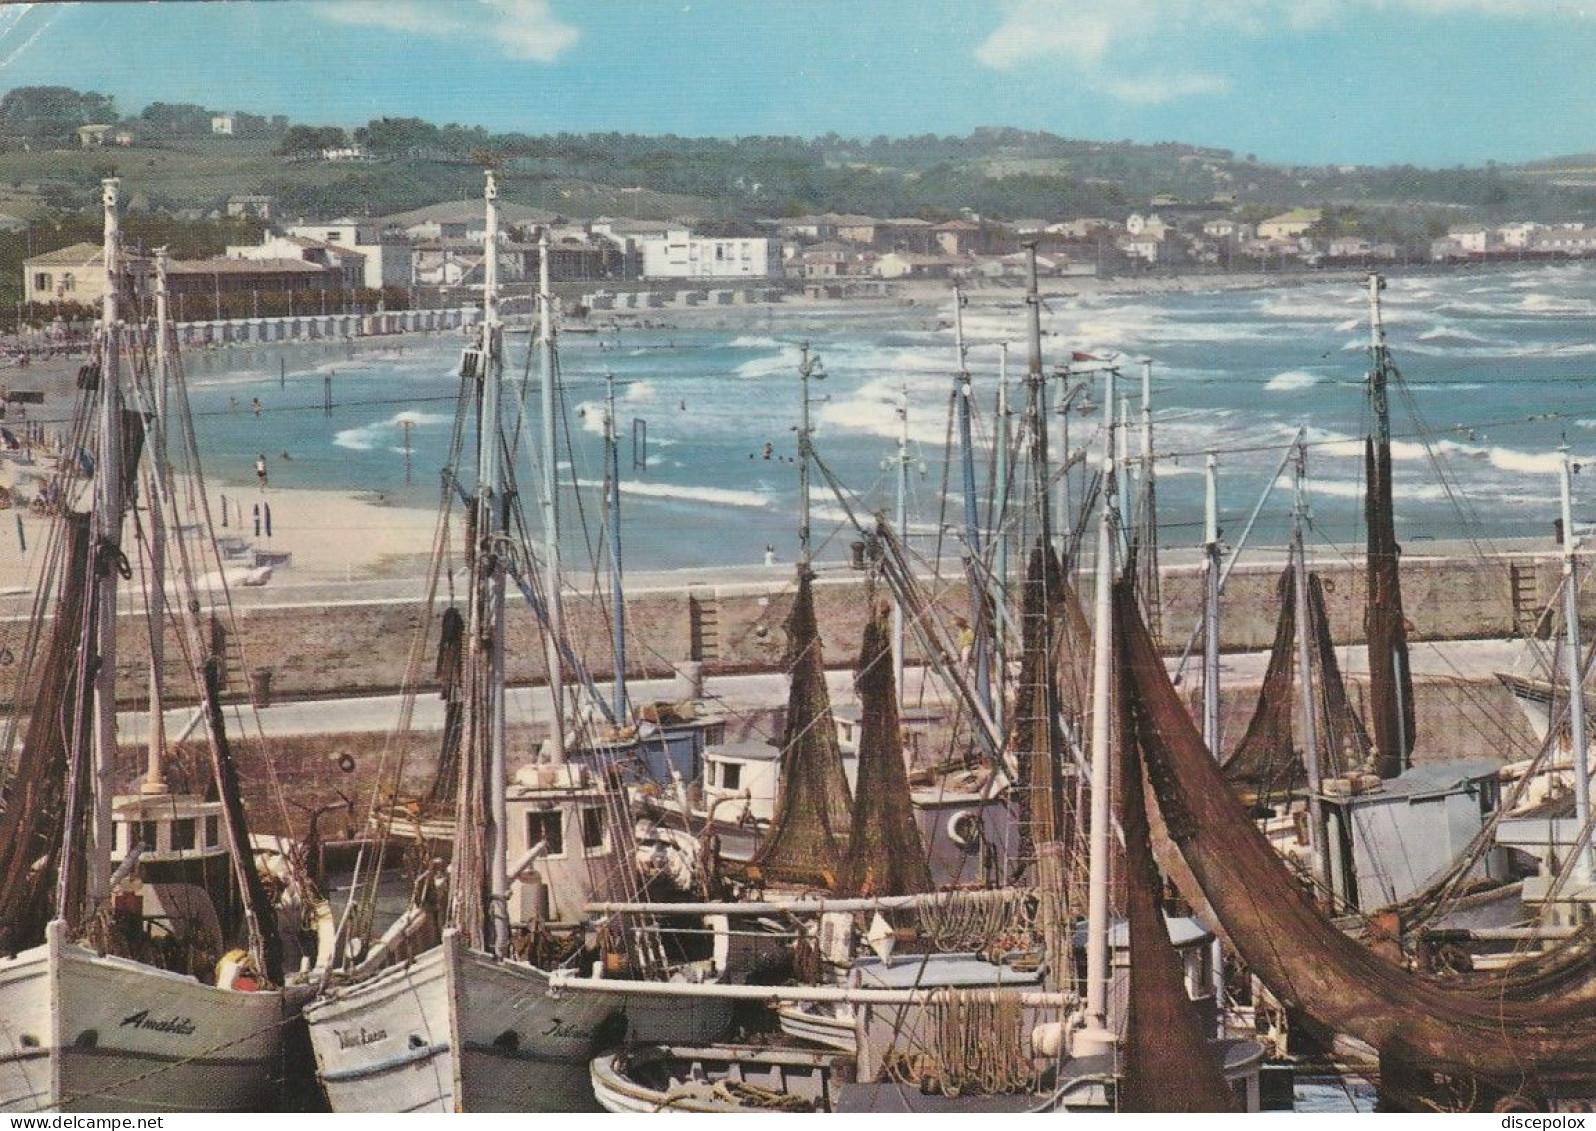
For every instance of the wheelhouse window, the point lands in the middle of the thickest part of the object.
(546, 826)
(182, 834)
(593, 837)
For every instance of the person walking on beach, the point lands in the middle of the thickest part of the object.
(260, 470)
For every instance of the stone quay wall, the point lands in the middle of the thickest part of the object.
(349, 647)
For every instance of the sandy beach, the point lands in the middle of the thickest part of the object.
(325, 535)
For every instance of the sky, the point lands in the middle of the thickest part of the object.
(1426, 82)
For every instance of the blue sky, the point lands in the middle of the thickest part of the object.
(1431, 82)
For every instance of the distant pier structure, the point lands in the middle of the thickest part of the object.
(323, 327)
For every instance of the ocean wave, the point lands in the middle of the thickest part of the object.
(379, 433)
(784, 361)
(1291, 381)
(718, 496)
(753, 342)
(1454, 334)
(1354, 489)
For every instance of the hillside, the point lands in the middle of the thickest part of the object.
(1001, 174)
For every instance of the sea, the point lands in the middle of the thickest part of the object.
(1498, 370)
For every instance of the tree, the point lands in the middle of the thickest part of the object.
(52, 112)
(300, 140)
(396, 135)
(176, 119)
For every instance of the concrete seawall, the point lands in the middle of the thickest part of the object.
(322, 642)
(732, 621)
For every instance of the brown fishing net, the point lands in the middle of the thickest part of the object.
(1334, 981)
(1170, 1063)
(885, 854)
(809, 832)
(1265, 760)
(1390, 681)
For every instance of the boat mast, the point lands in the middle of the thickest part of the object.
(1150, 587)
(809, 366)
(1576, 684)
(1310, 717)
(1390, 681)
(551, 509)
(612, 505)
(1000, 560)
(901, 519)
(962, 397)
(106, 526)
(493, 518)
(1097, 912)
(154, 775)
(1036, 384)
(1213, 555)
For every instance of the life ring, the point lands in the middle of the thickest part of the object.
(964, 829)
(346, 763)
(235, 970)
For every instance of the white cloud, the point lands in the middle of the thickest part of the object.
(527, 29)
(1106, 39)
(522, 29)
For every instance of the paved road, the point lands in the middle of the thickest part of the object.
(1472, 660)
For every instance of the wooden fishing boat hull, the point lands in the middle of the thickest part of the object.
(820, 1023)
(689, 1079)
(456, 1030)
(81, 1031)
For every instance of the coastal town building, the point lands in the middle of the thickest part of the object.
(1152, 227)
(386, 257)
(1564, 240)
(249, 206)
(1474, 239)
(958, 237)
(678, 254)
(344, 267)
(1289, 225)
(912, 265)
(69, 274)
(203, 288)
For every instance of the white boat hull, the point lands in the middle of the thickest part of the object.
(456, 1030)
(81, 1031)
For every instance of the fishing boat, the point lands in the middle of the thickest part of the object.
(140, 963)
(973, 1000)
(455, 1007)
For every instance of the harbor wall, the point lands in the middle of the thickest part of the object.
(335, 647)
(331, 649)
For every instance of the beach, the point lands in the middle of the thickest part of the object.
(326, 536)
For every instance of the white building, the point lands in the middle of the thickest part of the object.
(1518, 234)
(1565, 239)
(1152, 227)
(1472, 238)
(678, 254)
(346, 268)
(223, 125)
(387, 257)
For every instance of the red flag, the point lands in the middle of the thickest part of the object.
(1079, 356)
